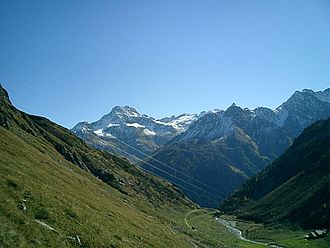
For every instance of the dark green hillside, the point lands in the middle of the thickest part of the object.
(295, 188)
(50, 196)
(223, 164)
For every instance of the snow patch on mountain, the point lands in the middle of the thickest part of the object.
(136, 125)
(162, 123)
(148, 132)
(180, 122)
(113, 125)
(99, 132)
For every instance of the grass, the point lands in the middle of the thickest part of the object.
(211, 233)
(73, 202)
(280, 235)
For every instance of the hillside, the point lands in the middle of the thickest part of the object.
(56, 191)
(293, 189)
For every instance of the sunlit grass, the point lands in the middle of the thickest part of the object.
(71, 201)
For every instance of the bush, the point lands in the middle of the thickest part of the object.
(70, 213)
(12, 183)
(41, 214)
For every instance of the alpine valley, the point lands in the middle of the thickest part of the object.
(215, 151)
(58, 191)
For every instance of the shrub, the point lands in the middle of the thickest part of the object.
(41, 214)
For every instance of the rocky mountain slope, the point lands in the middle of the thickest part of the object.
(295, 188)
(56, 191)
(224, 148)
(126, 132)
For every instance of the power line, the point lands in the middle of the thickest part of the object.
(210, 187)
(212, 196)
(184, 181)
(167, 180)
(28, 68)
(153, 166)
(28, 100)
(5, 74)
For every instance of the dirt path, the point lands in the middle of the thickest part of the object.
(185, 218)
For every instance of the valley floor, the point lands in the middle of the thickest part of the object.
(210, 232)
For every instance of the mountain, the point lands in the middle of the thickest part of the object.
(295, 188)
(126, 132)
(56, 191)
(224, 148)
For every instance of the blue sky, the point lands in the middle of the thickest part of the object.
(75, 60)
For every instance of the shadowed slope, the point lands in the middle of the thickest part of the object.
(295, 188)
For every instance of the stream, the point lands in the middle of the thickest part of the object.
(238, 233)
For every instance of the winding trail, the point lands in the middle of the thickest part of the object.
(185, 218)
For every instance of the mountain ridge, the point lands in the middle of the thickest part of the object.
(240, 142)
(121, 119)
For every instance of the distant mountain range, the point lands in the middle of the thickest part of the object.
(220, 149)
(294, 188)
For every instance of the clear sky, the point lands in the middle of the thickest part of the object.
(73, 60)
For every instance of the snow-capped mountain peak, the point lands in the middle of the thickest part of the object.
(125, 111)
(125, 124)
(119, 115)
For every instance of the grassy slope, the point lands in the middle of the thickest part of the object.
(213, 234)
(295, 188)
(72, 201)
(39, 166)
